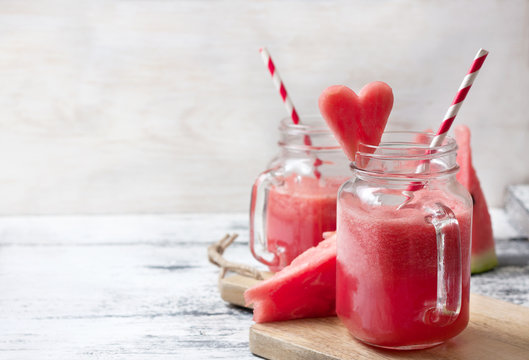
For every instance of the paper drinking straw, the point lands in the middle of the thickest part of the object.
(464, 88)
(291, 110)
(449, 118)
(269, 63)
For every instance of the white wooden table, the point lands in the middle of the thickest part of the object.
(135, 287)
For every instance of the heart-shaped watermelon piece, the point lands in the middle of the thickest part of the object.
(355, 119)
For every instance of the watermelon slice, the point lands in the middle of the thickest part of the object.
(483, 253)
(305, 288)
(355, 119)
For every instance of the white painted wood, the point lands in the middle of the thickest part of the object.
(113, 106)
(135, 287)
(116, 287)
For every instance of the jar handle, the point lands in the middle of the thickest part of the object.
(449, 268)
(258, 213)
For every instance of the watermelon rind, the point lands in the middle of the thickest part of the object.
(483, 262)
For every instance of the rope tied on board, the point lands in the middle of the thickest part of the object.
(215, 252)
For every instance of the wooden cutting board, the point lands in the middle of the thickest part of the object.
(497, 330)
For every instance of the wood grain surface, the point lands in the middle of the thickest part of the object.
(136, 287)
(497, 330)
(232, 288)
(118, 287)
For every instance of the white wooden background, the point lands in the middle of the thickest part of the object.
(121, 106)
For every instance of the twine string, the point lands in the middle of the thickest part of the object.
(215, 256)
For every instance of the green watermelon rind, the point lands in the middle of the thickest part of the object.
(483, 247)
(485, 261)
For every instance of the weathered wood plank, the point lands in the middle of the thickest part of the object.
(116, 300)
(116, 286)
(136, 286)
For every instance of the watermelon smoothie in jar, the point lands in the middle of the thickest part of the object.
(294, 201)
(403, 257)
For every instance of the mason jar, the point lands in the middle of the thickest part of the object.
(294, 200)
(403, 244)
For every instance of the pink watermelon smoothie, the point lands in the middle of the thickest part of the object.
(298, 212)
(387, 273)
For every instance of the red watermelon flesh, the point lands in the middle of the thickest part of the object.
(355, 119)
(483, 253)
(305, 288)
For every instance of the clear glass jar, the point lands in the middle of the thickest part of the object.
(294, 201)
(403, 257)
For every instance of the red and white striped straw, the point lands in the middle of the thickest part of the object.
(269, 63)
(460, 97)
(280, 86)
(450, 116)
